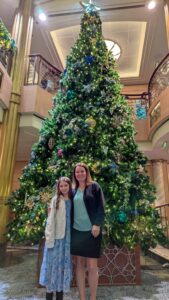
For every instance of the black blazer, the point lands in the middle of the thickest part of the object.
(94, 202)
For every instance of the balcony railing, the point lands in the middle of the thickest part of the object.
(139, 103)
(163, 211)
(159, 80)
(6, 57)
(41, 72)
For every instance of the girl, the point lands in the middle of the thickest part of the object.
(87, 218)
(56, 266)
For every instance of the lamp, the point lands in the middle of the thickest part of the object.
(151, 4)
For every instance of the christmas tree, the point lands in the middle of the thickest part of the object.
(6, 42)
(90, 122)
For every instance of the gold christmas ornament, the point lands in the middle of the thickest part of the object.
(46, 195)
(29, 203)
(51, 143)
(91, 122)
(51, 168)
(95, 167)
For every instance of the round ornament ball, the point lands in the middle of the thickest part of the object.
(89, 59)
(68, 132)
(91, 122)
(60, 152)
(95, 167)
(70, 94)
(121, 217)
(51, 143)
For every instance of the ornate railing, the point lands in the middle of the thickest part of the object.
(6, 57)
(163, 211)
(40, 72)
(139, 103)
(159, 80)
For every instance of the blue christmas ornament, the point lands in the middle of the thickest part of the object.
(89, 59)
(135, 212)
(12, 43)
(114, 167)
(65, 71)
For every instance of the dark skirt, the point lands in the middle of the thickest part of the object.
(83, 243)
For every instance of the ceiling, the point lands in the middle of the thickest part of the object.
(129, 35)
(140, 32)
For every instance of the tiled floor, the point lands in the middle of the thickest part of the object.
(18, 280)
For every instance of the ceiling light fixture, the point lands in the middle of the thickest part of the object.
(151, 4)
(114, 48)
(42, 16)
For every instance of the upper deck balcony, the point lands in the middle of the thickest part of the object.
(158, 89)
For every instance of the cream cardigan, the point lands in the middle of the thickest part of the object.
(56, 222)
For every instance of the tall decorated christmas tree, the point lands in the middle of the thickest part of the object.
(90, 122)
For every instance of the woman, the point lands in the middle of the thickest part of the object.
(87, 218)
(56, 272)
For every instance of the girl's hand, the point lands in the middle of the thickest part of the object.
(95, 230)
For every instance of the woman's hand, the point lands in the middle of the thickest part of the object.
(95, 230)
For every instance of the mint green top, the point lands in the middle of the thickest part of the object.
(81, 218)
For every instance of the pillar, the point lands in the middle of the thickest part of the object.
(166, 11)
(22, 33)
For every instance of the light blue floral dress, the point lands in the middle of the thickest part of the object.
(56, 269)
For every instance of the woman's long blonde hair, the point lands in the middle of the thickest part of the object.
(58, 192)
(88, 176)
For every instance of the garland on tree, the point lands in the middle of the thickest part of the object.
(90, 122)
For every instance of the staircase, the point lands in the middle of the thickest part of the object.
(160, 253)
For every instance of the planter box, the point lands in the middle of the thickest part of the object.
(117, 266)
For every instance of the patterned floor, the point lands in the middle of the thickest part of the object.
(18, 280)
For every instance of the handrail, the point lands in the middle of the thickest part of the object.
(145, 96)
(158, 81)
(162, 205)
(164, 216)
(156, 71)
(6, 58)
(41, 72)
(46, 61)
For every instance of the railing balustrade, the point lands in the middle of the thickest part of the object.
(163, 211)
(159, 80)
(41, 72)
(6, 57)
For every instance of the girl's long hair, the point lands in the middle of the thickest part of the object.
(88, 176)
(58, 192)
